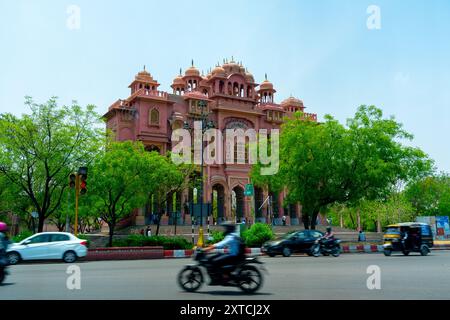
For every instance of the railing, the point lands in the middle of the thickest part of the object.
(152, 93)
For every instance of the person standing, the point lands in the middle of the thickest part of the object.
(361, 236)
(148, 231)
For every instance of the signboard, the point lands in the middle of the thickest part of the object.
(442, 228)
(430, 221)
(249, 190)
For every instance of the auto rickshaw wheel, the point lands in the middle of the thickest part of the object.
(406, 253)
(424, 250)
(387, 252)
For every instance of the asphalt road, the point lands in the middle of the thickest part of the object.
(412, 277)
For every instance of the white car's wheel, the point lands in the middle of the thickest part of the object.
(70, 257)
(13, 258)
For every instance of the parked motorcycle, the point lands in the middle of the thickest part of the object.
(326, 247)
(245, 274)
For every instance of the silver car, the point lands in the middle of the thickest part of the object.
(48, 246)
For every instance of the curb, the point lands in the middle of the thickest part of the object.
(145, 253)
(257, 251)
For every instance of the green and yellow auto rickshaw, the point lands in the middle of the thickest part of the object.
(408, 237)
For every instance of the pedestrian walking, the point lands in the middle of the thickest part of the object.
(284, 220)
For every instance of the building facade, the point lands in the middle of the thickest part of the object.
(234, 100)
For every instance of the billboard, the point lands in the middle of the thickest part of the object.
(439, 225)
(442, 228)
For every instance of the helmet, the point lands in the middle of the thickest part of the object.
(229, 227)
(3, 227)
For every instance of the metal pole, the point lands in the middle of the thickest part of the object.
(67, 212)
(77, 192)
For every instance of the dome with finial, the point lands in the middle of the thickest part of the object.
(266, 85)
(292, 102)
(192, 71)
(179, 79)
(144, 76)
(218, 71)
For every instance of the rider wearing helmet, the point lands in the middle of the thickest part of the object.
(328, 236)
(4, 241)
(235, 247)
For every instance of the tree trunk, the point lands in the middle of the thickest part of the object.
(305, 219)
(158, 224)
(41, 222)
(111, 233)
(379, 224)
(314, 220)
(358, 218)
(341, 219)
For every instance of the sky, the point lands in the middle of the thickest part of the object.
(335, 55)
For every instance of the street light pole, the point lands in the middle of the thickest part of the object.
(205, 126)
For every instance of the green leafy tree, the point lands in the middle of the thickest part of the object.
(38, 151)
(430, 196)
(328, 163)
(122, 178)
(174, 179)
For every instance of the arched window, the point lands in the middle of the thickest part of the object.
(154, 117)
(221, 85)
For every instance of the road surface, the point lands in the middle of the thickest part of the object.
(412, 277)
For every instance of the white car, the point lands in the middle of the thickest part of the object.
(48, 246)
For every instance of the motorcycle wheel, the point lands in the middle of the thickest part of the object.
(336, 252)
(190, 279)
(250, 279)
(2, 275)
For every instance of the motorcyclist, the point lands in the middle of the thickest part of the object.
(4, 243)
(328, 237)
(235, 251)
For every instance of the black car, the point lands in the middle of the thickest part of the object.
(293, 242)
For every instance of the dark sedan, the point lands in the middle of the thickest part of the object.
(294, 242)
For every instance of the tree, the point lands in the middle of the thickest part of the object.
(122, 178)
(328, 163)
(175, 179)
(38, 151)
(430, 196)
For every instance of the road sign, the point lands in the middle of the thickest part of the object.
(249, 190)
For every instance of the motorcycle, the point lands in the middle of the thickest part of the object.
(324, 247)
(3, 264)
(245, 274)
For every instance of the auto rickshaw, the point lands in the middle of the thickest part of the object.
(408, 237)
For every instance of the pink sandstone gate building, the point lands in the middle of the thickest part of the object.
(234, 100)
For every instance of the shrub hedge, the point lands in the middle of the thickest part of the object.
(168, 243)
(257, 234)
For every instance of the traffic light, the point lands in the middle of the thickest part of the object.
(83, 180)
(72, 180)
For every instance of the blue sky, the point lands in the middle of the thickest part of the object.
(319, 51)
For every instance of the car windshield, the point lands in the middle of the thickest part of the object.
(392, 231)
(290, 235)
